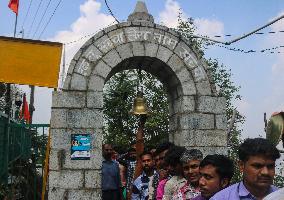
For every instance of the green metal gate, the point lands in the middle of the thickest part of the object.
(22, 152)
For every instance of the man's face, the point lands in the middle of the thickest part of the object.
(161, 160)
(107, 151)
(132, 155)
(191, 171)
(258, 172)
(147, 162)
(210, 182)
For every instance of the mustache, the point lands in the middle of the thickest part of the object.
(266, 177)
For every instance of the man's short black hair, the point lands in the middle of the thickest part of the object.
(257, 146)
(146, 153)
(224, 166)
(163, 146)
(131, 149)
(173, 155)
(106, 144)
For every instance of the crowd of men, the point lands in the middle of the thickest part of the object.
(171, 172)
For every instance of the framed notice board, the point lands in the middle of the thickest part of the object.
(80, 146)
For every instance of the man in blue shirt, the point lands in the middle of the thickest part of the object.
(110, 175)
(257, 162)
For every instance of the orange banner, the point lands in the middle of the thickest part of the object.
(29, 62)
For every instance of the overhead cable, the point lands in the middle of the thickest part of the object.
(268, 50)
(257, 33)
(85, 36)
(28, 11)
(50, 18)
(238, 38)
(37, 28)
(111, 12)
(34, 18)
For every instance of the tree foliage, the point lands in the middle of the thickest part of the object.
(120, 125)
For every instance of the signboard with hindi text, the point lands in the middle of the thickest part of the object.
(29, 62)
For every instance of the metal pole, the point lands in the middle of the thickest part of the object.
(31, 106)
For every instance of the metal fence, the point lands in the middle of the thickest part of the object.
(22, 151)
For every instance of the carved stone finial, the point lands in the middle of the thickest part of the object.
(140, 13)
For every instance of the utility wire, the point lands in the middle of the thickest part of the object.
(257, 33)
(37, 28)
(269, 50)
(34, 18)
(86, 36)
(237, 39)
(256, 30)
(50, 19)
(111, 12)
(225, 43)
(28, 11)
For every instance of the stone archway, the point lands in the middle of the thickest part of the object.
(197, 114)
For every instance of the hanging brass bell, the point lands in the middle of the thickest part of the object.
(140, 106)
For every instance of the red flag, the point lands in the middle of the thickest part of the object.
(14, 6)
(24, 112)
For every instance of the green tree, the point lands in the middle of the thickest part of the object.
(120, 125)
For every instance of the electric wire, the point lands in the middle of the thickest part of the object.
(256, 30)
(28, 11)
(257, 33)
(215, 42)
(34, 18)
(269, 50)
(111, 12)
(238, 38)
(37, 28)
(85, 36)
(59, 2)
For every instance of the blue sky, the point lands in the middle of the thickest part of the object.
(260, 75)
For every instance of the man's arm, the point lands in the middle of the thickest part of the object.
(139, 145)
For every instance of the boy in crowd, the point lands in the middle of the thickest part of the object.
(190, 162)
(172, 159)
(257, 162)
(159, 156)
(216, 172)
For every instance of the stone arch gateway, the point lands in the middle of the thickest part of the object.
(197, 114)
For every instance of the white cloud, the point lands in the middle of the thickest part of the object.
(90, 21)
(209, 27)
(206, 27)
(169, 16)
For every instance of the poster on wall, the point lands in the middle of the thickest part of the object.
(80, 146)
